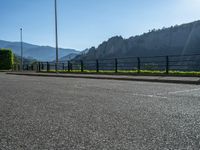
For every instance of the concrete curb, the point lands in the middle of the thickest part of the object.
(110, 77)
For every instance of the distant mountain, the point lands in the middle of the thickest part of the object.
(175, 40)
(28, 60)
(82, 54)
(68, 57)
(40, 53)
(46, 53)
(74, 55)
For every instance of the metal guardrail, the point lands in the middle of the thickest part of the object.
(156, 63)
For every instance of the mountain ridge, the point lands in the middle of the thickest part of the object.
(175, 40)
(40, 53)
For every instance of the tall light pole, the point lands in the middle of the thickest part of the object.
(21, 49)
(56, 35)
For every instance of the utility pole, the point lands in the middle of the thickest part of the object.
(56, 35)
(21, 49)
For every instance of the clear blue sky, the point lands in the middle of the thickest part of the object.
(86, 23)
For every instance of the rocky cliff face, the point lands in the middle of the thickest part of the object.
(176, 40)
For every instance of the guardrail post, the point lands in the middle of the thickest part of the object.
(82, 69)
(167, 64)
(116, 65)
(47, 66)
(42, 66)
(32, 67)
(71, 66)
(56, 66)
(19, 67)
(63, 66)
(68, 65)
(139, 64)
(39, 66)
(97, 65)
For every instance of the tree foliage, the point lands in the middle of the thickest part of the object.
(6, 59)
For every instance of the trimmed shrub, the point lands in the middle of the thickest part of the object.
(6, 59)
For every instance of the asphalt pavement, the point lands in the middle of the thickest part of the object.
(45, 113)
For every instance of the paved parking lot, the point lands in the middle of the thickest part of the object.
(62, 113)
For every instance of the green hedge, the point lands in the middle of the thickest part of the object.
(6, 59)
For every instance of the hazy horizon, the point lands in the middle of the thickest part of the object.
(85, 24)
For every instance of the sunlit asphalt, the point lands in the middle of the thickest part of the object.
(62, 113)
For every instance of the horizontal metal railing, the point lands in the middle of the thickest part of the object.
(137, 64)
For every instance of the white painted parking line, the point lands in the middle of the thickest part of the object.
(151, 96)
(184, 91)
